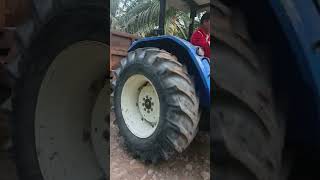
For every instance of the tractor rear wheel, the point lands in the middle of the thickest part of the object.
(156, 106)
(60, 103)
(248, 133)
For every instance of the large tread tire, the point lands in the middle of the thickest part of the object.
(248, 133)
(179, 114)
(53, 26)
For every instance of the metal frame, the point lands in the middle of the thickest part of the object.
(194, 7)
(162, 15)
(193, 14)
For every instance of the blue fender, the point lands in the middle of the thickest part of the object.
(198, 66)
(300, 21)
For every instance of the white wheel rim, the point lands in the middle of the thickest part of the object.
(99, 131)
(140, 106)
(64, 114)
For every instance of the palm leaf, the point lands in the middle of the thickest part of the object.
(142, 17)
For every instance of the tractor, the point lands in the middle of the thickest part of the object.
(162, 90)
(54, 79)
(265, 113)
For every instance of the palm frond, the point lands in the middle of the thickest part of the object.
(142, 17)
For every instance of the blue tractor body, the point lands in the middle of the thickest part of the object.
(300, 20)
(300, 23)
(198, 66)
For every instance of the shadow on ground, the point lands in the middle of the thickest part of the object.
(193, 164)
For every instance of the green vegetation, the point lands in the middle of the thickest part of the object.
(141, 17)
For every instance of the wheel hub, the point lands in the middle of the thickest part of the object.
(146, 100)
(148, 104)
(140, 106)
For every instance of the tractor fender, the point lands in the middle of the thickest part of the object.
(198, 66)
(297, 20)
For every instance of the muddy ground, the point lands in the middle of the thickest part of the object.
(193, 164)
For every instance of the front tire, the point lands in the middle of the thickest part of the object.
(161, 80)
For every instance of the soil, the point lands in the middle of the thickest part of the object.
(192, 164)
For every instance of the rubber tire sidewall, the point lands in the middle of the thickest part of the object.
(54, 38)
(150, 143)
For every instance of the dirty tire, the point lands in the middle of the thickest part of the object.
(179, 106)
(53, 26)
(248, 133)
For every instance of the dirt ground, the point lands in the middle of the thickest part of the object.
(193, 164)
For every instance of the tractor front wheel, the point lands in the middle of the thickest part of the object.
(156, 106)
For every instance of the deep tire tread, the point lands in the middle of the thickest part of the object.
(247, 138)
(181, 120)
